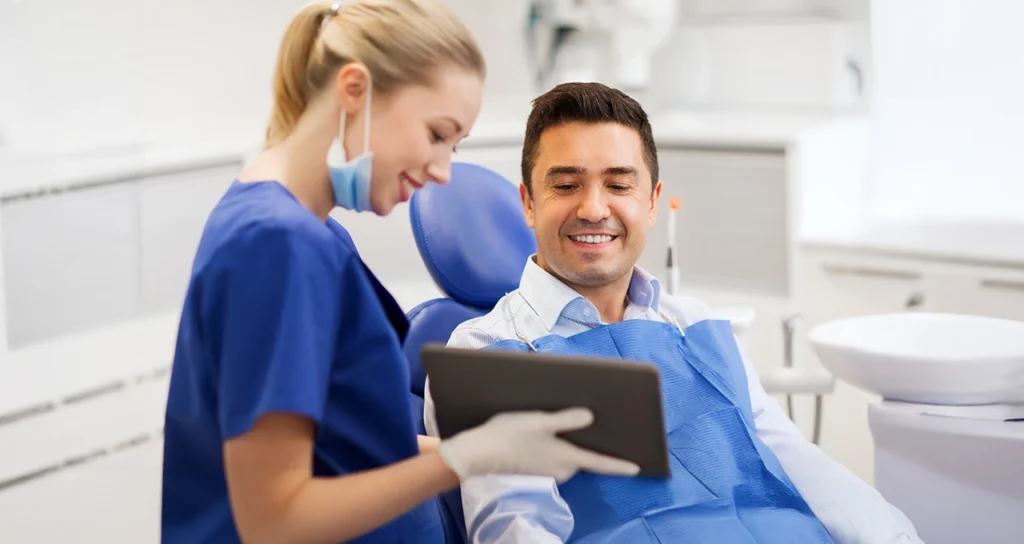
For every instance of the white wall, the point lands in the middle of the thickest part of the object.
(948, 109)
(97, 74)
(109, 73)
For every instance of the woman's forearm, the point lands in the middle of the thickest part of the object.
(343, 508)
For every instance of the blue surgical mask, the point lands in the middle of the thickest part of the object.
(350, 179)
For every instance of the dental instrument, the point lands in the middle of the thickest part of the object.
(670, 263)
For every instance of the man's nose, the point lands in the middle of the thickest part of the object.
(594, 205)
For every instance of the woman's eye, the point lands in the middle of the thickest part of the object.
(437, 137)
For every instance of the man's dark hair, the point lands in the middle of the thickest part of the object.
(587, 103)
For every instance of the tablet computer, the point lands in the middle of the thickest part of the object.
(469, 386)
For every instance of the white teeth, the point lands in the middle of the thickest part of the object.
(409, 187)
(591, 239)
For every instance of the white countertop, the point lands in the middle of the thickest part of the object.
(972, 242)
(41, 172)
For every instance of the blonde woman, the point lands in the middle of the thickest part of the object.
(289, 415)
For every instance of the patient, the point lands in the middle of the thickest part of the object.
(741, 471)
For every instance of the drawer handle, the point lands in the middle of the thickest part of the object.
(870, 272)
(1003, 284)
(915, 300)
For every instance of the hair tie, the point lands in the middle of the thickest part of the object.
(335, 7)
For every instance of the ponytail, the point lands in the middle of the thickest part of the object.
(291, 84)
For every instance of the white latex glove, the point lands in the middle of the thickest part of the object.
(525, 443)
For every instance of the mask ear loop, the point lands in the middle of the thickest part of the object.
(366, 124)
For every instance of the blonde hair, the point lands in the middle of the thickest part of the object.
(401, 42)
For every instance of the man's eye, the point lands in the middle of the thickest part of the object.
(620, 187)
(563, 187)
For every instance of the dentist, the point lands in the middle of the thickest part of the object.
(289, 416)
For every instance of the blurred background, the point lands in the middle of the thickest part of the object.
(833, 158)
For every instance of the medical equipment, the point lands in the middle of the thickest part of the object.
(927, 358)
(944, 453)
(791, 380)
(671, 264)
(598, 40)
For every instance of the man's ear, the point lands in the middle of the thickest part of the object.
(524, 195)
(655, 196)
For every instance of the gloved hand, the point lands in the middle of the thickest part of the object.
(525, 443)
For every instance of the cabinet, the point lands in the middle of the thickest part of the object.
(732, 231)
(835, 283)
(70, 261)
(173, 210)
(92, 256)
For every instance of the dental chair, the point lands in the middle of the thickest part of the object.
(474, 240)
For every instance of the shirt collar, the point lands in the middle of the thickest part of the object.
(548, 296)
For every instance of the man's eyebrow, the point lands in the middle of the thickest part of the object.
(565, 170)
(622, 171)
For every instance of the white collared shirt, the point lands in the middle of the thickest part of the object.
(529, 510)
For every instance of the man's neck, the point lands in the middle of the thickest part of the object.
(610, 300)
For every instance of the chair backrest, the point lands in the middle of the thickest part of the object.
(473, 238)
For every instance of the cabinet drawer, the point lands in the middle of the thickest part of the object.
(70, 261)
(836, 288)
(996, 295)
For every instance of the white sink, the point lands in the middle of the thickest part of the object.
(927, 357)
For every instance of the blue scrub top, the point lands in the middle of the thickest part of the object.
(281, 315)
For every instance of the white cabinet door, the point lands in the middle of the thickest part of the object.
(837, 285)
(993, 292)
(732, 231)
(70, 261)
(173, 211)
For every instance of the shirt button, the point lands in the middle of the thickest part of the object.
(586, 312)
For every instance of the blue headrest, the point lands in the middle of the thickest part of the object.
(472, 235)
(432, 322)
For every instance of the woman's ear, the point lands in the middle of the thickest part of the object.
(353, 82)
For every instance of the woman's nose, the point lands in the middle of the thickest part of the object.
(440, 174)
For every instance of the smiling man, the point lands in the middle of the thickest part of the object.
(741, 471)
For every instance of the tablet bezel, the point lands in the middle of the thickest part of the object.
(469, 386)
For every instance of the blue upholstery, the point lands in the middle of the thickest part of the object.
(432, 322)
(472, 235)
(473, 238)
